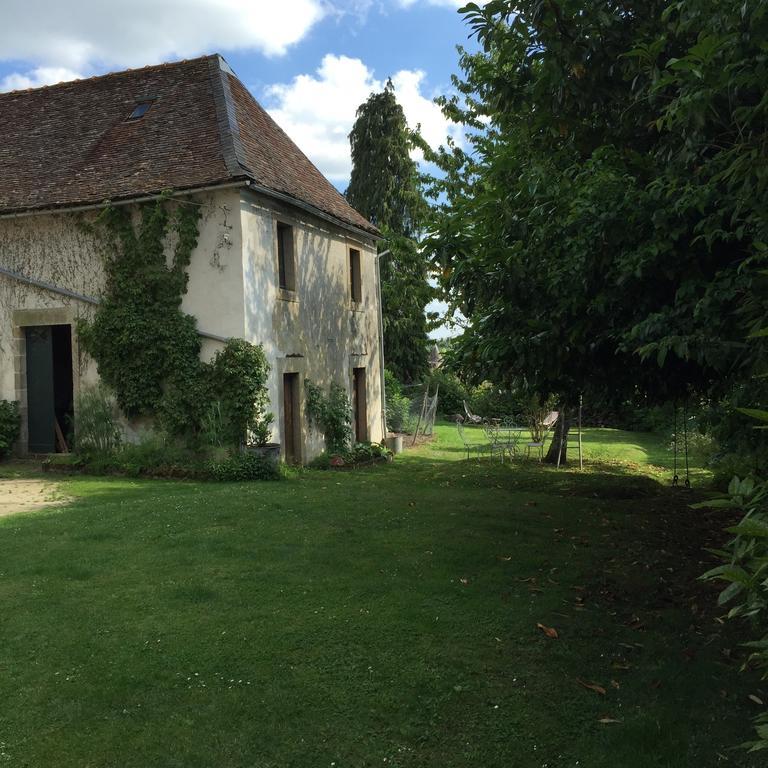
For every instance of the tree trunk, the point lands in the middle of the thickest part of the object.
(559, 444)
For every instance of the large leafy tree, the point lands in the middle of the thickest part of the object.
(385, 187)
(607, 226)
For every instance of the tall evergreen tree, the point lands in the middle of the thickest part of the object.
(385, 187)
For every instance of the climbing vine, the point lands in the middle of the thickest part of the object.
(147, 349)
(330, 414)
(239, 385)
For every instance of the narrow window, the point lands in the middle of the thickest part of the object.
(285, 257)
(355, 281)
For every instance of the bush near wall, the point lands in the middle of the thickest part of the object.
(10, 426)
(360, 454)
(153, 458)
(452, 392)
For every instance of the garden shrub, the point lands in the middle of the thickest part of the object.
(492, 401)
(398, 411)
(10, 425)
(244, 466)
(744, 570)
(453, 392)
(155, 455)
(359, 453)
(330, 414)
(397, 404)
(96, 425)
(239, 376)
(391, 385)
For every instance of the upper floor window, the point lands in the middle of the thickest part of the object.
(286, 263)
(355, 278)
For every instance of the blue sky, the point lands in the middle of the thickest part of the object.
(309, 62)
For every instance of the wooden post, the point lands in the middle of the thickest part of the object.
(581, 459)
(562, 436)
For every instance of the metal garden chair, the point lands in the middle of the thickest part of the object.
(495, 441)
(468, 446)
(538, 441)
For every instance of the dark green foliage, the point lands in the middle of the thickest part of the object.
(745, 561)
(492, 401)
(452, 393)
(358, 455)
(385, 187)
(398, 405)
(239, 375)
(147, 349)
(606, 231)
(153, 456)
(330, 414)
(405, 293)
(398, 409)
(158, 456)
(10, 425)
(244, 466)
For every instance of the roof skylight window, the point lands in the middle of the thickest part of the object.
(140, 110)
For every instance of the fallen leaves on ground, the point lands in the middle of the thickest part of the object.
(548, 631)
(591, 686)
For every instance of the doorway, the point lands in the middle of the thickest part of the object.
(360, 404)
(50, 397)
(291, 419)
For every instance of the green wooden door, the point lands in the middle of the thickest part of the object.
(40, 405)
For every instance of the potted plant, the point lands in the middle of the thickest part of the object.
(259, 435)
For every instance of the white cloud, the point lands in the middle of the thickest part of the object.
(37, 77)
(317, 111)
(88, 34)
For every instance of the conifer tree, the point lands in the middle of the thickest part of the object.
(385, 188)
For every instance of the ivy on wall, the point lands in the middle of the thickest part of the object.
(148, 350)
(143, 343)
(331, 414)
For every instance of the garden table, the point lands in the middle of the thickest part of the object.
(504, 437)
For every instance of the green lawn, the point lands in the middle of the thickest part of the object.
(379, 617)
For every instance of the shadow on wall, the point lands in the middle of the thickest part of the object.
(315, 330)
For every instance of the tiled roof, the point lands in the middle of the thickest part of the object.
(70, 144)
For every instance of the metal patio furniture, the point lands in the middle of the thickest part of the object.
(495, 439)
(468, 446)
(546, 425)
(473, 418)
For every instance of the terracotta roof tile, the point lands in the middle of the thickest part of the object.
(70, 144)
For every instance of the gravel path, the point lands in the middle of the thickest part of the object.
(28, 495)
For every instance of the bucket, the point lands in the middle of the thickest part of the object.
(395, 444)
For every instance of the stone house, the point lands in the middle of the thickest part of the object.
(282, 259)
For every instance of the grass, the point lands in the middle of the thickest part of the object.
(385, 616)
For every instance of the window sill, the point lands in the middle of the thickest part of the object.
(283, 294)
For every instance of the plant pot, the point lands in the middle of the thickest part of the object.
(395, 444)
(269, 451)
